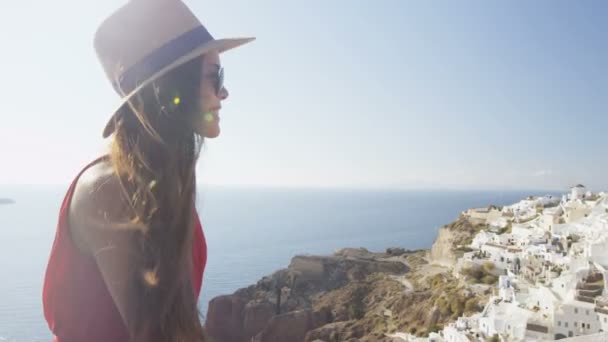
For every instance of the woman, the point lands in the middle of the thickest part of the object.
(129, 252)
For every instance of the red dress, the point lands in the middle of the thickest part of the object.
(77, 305)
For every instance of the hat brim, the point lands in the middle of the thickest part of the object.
(221, 45)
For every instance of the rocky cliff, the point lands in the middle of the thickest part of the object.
(452, 238)
(285, 306)
(441, 252)
(353, 295)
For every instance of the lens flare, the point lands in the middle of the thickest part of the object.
(208, 117)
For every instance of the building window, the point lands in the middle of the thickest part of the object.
(587, 312)
(566, 324)
(559, 323)
(575, 324)
(605, 320)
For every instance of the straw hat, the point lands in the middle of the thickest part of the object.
(145, 39)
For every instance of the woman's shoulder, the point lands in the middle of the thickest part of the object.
(97, 204)
(99, 223)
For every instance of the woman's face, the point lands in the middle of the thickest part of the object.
(207, 124)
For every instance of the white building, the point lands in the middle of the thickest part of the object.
(563, 230)
(565, 285)
(575, 210)
(577, 191)
(483, 215)
(481, 239)
(505, 289)
(599, 337)
(451, 334)
(503, 239)
(457, 331)
(556, 291)
(575, 318)
(521, 231)
(543, 300)
(598, 250)
(547, 200)
(538, 328)
(498, 224)
(505, 319)
(433, 337)
(502, 256)
(550, 216)
(601, 308)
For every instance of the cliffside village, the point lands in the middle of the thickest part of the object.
(551, 258)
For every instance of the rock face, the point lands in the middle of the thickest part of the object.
(353, 295)
(281, 307)
(293, 326)
(461, 232)
(441, 252)
(225, 318)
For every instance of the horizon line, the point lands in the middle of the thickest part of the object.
(339, 187)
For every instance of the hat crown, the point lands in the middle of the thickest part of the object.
(138, 29)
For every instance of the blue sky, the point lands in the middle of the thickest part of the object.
(399, 94)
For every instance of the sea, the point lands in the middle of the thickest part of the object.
(251, 232)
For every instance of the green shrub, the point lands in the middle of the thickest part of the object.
(483, 274)
(473, 272)
(355, 310)
(493, 338)
(443, 305)
(436, 281)
(488, 267)
(435, 328)
(471, 305)
(489, 279)
(457, 306)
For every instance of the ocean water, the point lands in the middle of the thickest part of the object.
(250, 232)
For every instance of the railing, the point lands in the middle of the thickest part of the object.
(589, 286)
(601, 310)
(585, 299)
(537, 327)
(590, 293)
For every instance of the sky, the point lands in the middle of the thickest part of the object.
(385, 94)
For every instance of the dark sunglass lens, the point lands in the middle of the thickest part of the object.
(220, 80)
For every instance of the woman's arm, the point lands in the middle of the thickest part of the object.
(97, 205)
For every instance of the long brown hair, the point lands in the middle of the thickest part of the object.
(154, 152)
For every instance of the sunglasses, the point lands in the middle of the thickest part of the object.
(218, 80)
(218, 85)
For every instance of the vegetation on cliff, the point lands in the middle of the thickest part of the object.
(356, 295)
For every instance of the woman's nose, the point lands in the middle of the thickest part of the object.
(223, 93)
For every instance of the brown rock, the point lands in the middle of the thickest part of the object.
(359, 253)
(280, 306)
(329, 332)
(395, 251)
(225, 319)
(257, 316)
(293, 326)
